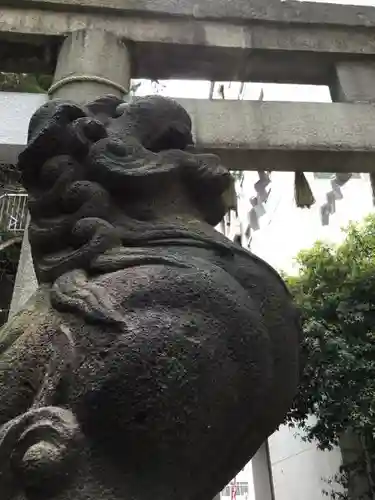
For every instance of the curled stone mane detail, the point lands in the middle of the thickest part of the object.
(40, 448)
(38, 451)
(78, 158)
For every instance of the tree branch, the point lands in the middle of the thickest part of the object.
(10, 242)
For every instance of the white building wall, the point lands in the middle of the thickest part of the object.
(299, 469)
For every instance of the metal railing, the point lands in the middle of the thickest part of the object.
(13, 212)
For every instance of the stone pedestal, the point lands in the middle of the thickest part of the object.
(91, 63)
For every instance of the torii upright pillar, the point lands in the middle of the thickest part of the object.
(83, 72)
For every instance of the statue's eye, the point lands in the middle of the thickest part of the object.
(121, 108)
(174, 137)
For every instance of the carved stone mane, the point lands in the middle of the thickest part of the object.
(95, 176)
(152, 338)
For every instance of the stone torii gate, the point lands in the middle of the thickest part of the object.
(243, 40)
(95, 47)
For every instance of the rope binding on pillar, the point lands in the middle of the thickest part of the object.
(86, 78)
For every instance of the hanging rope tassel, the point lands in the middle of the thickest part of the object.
(302, 192)
(372, 179)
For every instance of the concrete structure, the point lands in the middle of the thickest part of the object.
(270, 41)
(242, 40)
(250, 40)
(84, 71)
(247, 135)
(299, 469)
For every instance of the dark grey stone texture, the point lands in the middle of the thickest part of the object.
(157, 355)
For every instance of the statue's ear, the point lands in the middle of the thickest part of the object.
(104, 108)
(229, 197)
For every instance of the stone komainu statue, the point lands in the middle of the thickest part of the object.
(157, 355)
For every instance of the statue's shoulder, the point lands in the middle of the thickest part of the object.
(251, 270)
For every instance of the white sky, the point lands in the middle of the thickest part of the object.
(199, 89)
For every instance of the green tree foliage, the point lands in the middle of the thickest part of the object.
(24, 82)
(335, 290)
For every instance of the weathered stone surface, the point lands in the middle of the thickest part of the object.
(152, 336)
(314, 136)
(354, 82)
(272, 10)
(230, 124)
(26, 282)
(206, 40)
(91, 63)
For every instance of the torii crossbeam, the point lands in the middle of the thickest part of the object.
(274, 41)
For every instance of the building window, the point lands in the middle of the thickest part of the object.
(242, 490)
